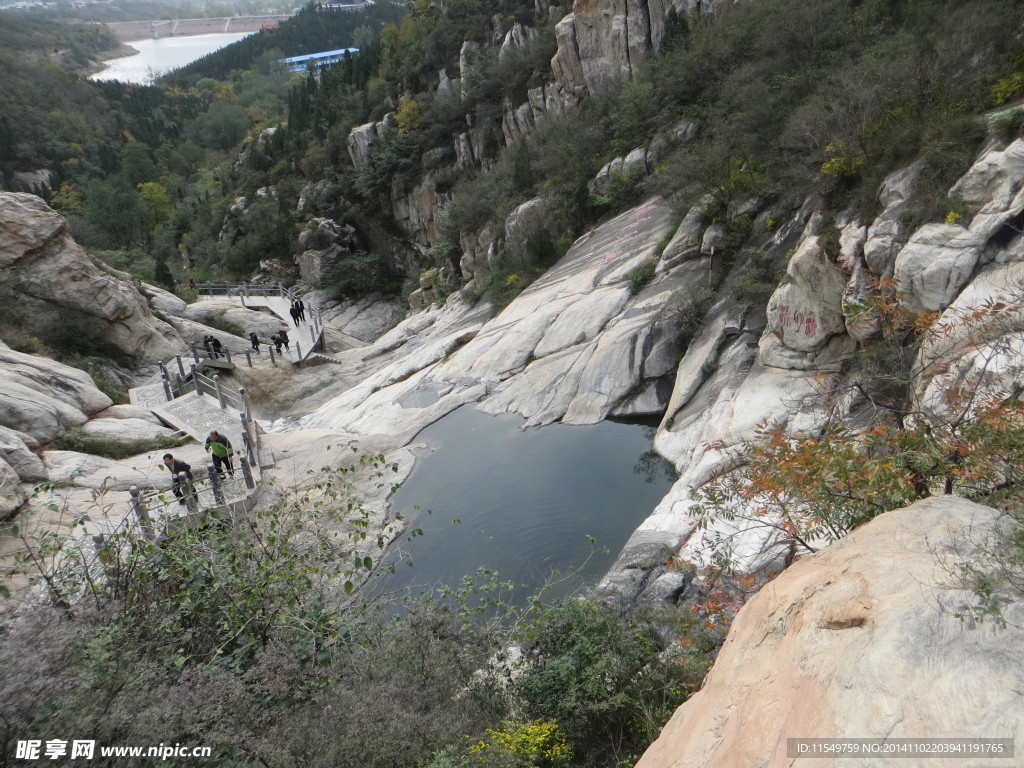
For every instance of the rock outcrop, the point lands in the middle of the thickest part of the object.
(52, 274)
(365, 137)
(860, 640)
(602, 44)
(325, 243)
(40, 396)
(575, 346)
(806, 325)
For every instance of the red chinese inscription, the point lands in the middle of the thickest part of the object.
(805, 324)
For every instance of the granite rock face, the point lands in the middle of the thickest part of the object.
(805, 312)
(862, 638)
(39, 396)
(53, 274)
(574, 346)
(602, 43)
(365, 137)
(325, 244)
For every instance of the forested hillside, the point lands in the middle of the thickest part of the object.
(782, 96)
(134, 168)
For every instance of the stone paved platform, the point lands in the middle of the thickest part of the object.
(148, 396)
(198, 415)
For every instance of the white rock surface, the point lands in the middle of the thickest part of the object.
(805, 313)
(561, 350)
(83, 470)
(164, 301)
(994, 183)
(936, 264)
(125, 429)
(128, 412)
(19, 451)
(39, 396)
(50, 269)
(861, 639)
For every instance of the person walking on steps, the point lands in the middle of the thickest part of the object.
(177, 467)
(294, 312)
(254, 339)
(220, 448)
(215, 343)
(284, 339)
(302, 310)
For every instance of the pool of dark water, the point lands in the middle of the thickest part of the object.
(523, 503)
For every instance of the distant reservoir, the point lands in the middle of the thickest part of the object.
(159, 56)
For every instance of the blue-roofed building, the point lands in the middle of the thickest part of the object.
(317, 60)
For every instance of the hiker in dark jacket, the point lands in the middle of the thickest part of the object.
(177, 467)
(302, 310)
(255, 342)
(294, 312)
(215, 343)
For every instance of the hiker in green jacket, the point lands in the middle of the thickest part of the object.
(220, 447)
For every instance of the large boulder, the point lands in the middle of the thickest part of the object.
(805, 314)
(125, 430)
(83, 470)
(12, 495)
(52, 274)
(207, 317)
(860, 640)
(936, 264)
(994, 183)
(18, 450)
(325, 243)
(39, 396)
(531, 219)
(363, 138)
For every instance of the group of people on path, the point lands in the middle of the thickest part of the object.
(279, 339)
(222, 452)
(213, 347)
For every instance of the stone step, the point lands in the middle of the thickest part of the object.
(325, 357)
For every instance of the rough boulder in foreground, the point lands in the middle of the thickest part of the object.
(861, 641)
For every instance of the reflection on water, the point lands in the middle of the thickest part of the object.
(157, 57)
(524, 503)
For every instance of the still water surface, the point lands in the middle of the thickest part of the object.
(157, 57)
(524, 498)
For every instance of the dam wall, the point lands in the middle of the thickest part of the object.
(127, 31)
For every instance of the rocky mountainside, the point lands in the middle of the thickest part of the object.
(715, 318)
(579, 344)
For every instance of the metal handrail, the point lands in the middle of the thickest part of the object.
(261, 289)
